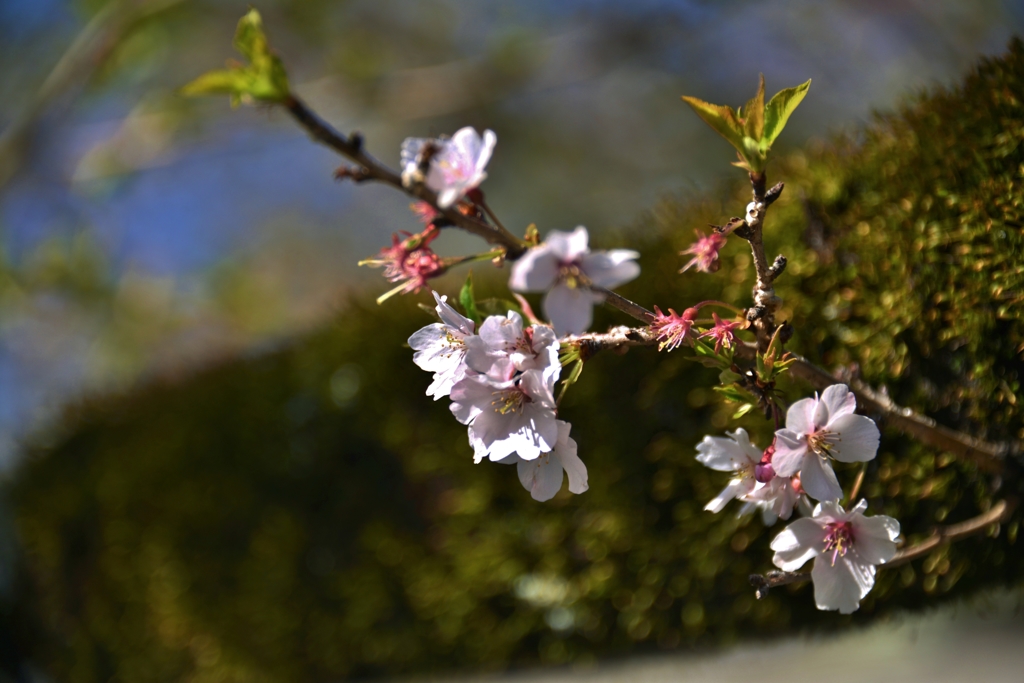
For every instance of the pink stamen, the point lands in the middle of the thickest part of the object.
(838, 539)
(722, 332)
(672, 329)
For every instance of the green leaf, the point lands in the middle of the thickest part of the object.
(753, 123)
(721, 118)
(778, 111)
(263, 78)
(467, 299)
(743, 410)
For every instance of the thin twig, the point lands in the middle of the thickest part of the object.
(986, 455)
(616, 338)
(997, 514)
(352, 148)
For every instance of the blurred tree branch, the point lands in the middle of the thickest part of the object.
(86, 53)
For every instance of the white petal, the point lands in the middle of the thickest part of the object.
(610, 268)
(451, 317)
(790, 449)
(797, 543)
(838, 401)
(568, 246)
(830, 511)
(448, 196)
(858, 438)
(540, 387)
(535, 271)
(841, 586)
(874, 538)
(486, 149)
(818, 479)
(445, 379)
(800, 416)
(726, 455)
(541, 477)
(570, 310)
(571, 463)
(734, 489)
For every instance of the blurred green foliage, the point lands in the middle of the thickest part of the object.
(306, 513)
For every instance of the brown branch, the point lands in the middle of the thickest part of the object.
(623, 304)
(762, 313)
(621, 337)
(997, 514)
(352, 148)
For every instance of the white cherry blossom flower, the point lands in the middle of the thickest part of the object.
(517, 416)
(542, 476)
(818, 429)
(560, 266)
(441, 347)
(735, 454)
(846, 547)
(754, 483)
(455, 168)
(503, 347)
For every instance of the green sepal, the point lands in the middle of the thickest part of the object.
(573, 377)
(263, 78)
(467, 299)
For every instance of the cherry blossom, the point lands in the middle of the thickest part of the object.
(722, 332)
(735, 454)
(542, 476)
(503, 348)
(846, 547)
(517, 416)
(672, 329)
(563, 266)
(705, 252)
(818, 429)
(409, 261)
(456, 165)
(441, 347)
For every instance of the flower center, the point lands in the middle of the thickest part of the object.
(456, 167)
(838, 539)
(821, 442)
(509, 401)
(570, 273)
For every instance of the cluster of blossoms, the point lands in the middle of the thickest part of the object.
(797, 466)
(501, 380)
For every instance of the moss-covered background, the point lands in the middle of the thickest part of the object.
(307, 514)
